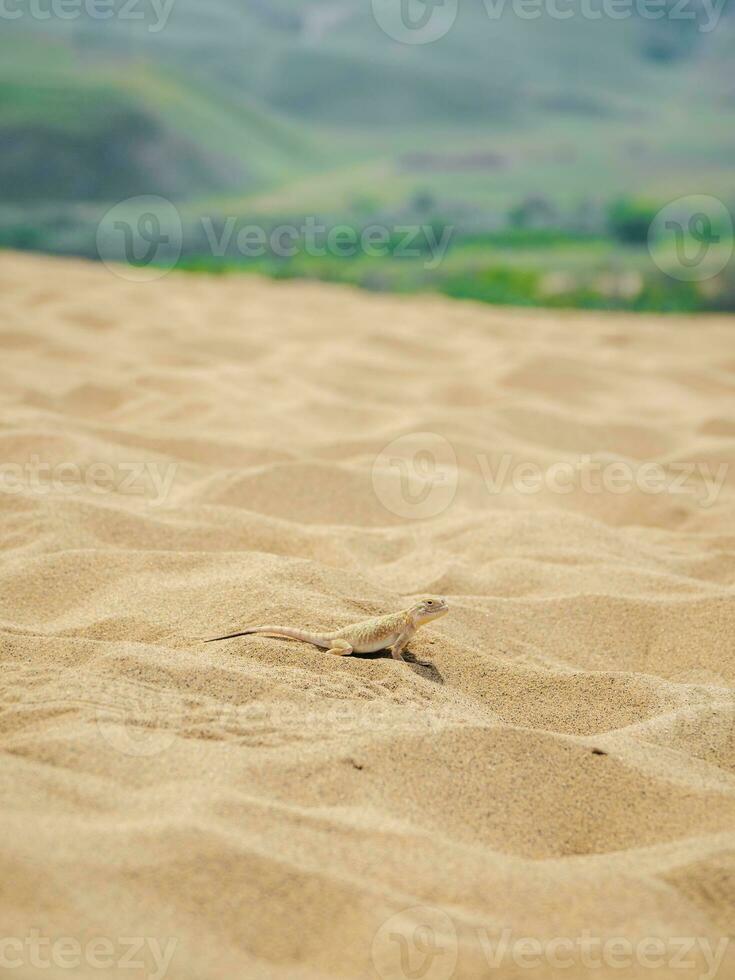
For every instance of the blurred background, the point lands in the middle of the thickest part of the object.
(535, 140)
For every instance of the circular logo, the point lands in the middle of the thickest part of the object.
(707, 712)
(415, 21)
(419, 943)
(133, 724)
(691, 238)
(416, 475)
(140, 239)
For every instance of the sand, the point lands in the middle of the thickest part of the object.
(185, 457)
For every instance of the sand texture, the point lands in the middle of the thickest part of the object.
(190, 456)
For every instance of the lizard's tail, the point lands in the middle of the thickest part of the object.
(292, 634)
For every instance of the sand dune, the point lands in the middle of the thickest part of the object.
(186, 457)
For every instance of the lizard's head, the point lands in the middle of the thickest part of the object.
(427, 609)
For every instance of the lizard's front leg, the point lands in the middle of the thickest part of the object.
(400, 645)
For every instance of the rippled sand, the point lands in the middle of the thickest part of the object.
(186, 457)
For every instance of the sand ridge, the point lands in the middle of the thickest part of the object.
(187, 457)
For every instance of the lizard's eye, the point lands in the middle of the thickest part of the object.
(430, 602)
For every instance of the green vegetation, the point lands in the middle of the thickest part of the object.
(547, 145)
(630, 220)
(546, 269)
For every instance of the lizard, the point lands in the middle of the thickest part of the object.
(394, 630)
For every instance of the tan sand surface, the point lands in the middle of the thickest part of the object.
(186, 457)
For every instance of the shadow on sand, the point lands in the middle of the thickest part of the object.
(424, 668)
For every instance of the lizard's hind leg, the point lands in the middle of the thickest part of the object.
(341, 648)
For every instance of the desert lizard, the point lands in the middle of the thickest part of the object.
(394, 631)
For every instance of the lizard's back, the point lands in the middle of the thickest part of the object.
(373, 634)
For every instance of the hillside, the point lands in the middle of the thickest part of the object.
(310, 105)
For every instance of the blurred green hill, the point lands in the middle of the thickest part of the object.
(545, 145)
(301, 105)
